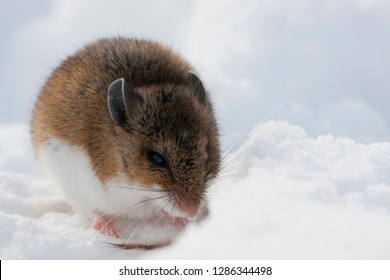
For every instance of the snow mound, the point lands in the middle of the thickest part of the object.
(281, 195)
(294, 197)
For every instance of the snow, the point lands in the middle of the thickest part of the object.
(293, 196)
(281, 194)
(301, 92)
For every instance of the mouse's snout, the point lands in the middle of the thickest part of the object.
(189, 205)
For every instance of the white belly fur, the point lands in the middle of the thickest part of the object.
(138, 221)
(71, 168)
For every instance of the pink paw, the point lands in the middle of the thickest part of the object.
(104, 226)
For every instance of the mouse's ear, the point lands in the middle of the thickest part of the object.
(197, 87)
(123, 101)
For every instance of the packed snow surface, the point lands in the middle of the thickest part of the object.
(281, 195)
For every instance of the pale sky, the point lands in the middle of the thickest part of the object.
(322, 65)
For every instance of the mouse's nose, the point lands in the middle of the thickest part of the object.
(188, 204)
(190, 211)
(198, 213)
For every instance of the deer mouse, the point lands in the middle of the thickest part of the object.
(127, 129)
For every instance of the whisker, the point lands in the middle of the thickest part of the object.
(230, 148)
(128, 227)
(221, 179)
(229, 154)
(235, 157)
(156, 222)
(138, 189)
(141, 223)
(100, 230)
(151, 215)
(159, 220)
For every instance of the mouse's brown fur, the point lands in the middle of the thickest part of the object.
(73, 107)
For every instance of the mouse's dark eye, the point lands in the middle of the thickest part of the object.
(156, 159)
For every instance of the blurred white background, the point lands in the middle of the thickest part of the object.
(322, 65)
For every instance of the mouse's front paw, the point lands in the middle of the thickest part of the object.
(105, 226)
